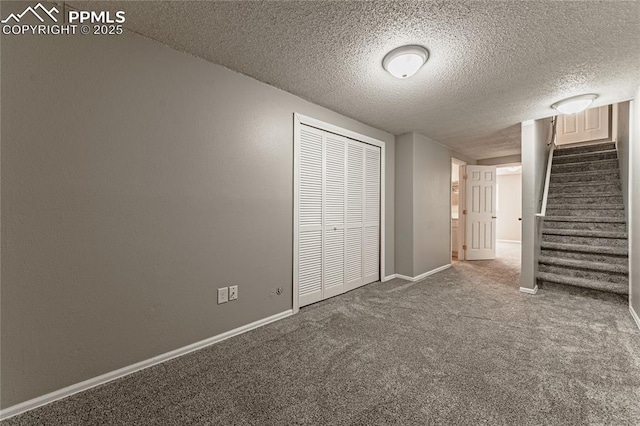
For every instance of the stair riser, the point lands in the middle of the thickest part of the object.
(585, 167)
(594, 156)
(619, 295)
(590, 213)
(610, 277)
(587, 226)
(584, 189)
(585, 200)
(589, 241)
(609, 176)
(584, 149)
(590, 257)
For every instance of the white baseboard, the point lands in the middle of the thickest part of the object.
(510, 241)
(389, 277)
(634, 315)
(107, 377)
(425, 275)
(529, 290)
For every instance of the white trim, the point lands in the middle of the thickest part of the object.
(634, 315)
(296, 201)
(124, 371)
(461, 217)
(510, 241)
(298, 120)
(424, 275)
(389, 277)
(529, 290)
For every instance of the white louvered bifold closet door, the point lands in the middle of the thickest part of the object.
(310, 216)
(339, 215)
(334, 214)
(355, 193)
(371, 220)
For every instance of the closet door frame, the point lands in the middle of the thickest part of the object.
(298, 121)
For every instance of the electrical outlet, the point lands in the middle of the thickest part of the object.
(233, 292)
(223, 295)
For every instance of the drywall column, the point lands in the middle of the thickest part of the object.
(534, 157)
(404, 205)
(423, 206)
(431, 204)
(634, 207)
(622, 142)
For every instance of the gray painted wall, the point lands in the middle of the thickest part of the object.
(404, 205)
(135, 181)
(634, 204)
(622, 139)
(535, 136)
(423, 181)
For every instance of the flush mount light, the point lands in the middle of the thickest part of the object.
(574, 104)
(405, 61)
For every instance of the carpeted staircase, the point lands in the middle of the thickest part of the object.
(584, 235)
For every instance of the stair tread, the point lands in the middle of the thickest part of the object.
(578, 183)
(585, 233)
(586, 194)
(619, 251)
(588, 172)
(585, 283)
(569, 147)
(585, 219)
(585, 264)
(588, 206)
(586, 162)
(584, 154)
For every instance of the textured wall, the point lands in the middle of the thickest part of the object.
(535, 135)
(508, 227)
(135, 181)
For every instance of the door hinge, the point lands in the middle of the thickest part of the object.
(464, 247)
(464, 211)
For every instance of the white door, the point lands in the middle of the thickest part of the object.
(310, 172)
(338, 241)
(334, 214)
(588, 125)
(355, 217)
(371, 219)
(481, 213)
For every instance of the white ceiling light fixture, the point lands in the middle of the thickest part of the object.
(574, 104)
(405, 61)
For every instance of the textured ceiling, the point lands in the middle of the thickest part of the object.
(493, 64)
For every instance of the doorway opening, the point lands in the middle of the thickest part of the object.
(458, 170)
(509, 213)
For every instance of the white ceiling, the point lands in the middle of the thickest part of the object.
(493, 64)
